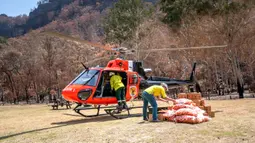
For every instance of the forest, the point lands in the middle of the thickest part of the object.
(32, 62)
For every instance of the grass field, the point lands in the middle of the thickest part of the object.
(233, 122)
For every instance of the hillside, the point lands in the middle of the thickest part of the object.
(57, 11)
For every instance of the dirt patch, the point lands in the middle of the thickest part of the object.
(234, 122)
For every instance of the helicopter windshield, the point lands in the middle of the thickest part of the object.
(88, 77)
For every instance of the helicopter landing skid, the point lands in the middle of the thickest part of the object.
(78, 111)
(117, 113)
(78, 108)
(111, 110)
(121, 114)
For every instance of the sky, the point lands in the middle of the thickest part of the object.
(17, 7)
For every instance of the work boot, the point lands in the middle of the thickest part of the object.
(124, 105)
(119, 107)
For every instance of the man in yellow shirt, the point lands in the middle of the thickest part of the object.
(150, 95)
(119, 88)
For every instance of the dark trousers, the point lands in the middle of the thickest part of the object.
(120, 95)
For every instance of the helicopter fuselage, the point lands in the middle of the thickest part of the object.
(92, 86)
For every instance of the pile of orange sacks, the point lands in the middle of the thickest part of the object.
(185, 111)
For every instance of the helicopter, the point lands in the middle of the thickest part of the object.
(92, 85)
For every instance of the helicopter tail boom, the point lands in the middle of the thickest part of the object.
(172, 83)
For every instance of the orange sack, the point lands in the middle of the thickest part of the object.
(180, 106)
(169, 115)
(186, 111)
(206, 119)
(171, 118)
(186, 119)
(184, 101)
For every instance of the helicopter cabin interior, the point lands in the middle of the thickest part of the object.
(104, 87)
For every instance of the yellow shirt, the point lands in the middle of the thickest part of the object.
(115, 82)
(157, 91)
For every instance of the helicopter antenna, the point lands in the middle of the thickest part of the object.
(84, 66)
(193, 72)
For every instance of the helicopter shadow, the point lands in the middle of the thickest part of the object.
(59, 109)
(75, 115)
(30, 131)
(101, 118)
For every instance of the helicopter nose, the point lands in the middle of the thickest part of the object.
(70, 93)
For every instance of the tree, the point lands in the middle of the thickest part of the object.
(49, 60)
(10, 64)
(237, 33)
(123, 19)
(231, 19)
(178, 10)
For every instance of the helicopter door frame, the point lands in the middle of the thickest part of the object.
(100, 83)
(102, 88)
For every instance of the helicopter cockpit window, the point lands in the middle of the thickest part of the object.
(89, 78)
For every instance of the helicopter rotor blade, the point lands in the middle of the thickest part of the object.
(186, 48)
(123, 50)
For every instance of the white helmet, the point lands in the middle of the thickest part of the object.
(111, 73)
(164, 85)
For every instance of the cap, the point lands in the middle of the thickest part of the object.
(111, 73)
(164, 85)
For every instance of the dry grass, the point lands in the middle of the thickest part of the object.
(38, 123)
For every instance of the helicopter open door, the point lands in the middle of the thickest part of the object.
(104, 88)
